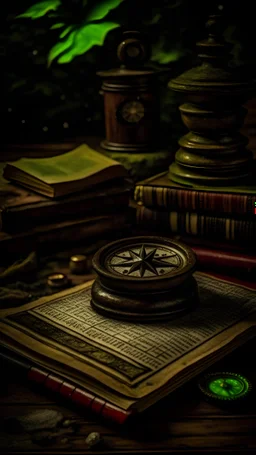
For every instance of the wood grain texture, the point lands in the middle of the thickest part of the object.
(181, 424)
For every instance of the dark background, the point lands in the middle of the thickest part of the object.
(59, 103)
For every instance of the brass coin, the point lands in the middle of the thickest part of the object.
(57, 280)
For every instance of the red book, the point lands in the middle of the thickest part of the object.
(69, 391)
(232, 263)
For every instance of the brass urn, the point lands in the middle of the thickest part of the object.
(213, 152)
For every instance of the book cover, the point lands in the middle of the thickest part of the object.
(160, 192)
(64, 174)
(228, 262)
(58, 385)
(21, 209)
(56, 236)
(127, 365)
(195, 224)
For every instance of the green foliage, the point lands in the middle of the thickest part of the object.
(164, 53)
(40, 9)
(78, 38)
(61, 47)
(40, 102)
(100, 10)
(58, 25)
(90, 25)
(82, 40)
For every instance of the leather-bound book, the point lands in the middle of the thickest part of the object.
(58, 236)
(22, 209)
(45, 380)
(159, 192)
(232, 228)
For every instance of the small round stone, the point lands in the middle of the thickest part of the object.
(66, 423)
(93, 439)
(64, 440)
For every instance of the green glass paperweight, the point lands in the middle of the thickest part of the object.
(224, 388)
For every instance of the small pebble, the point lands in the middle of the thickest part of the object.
(66, 423)
(64, 440)
(93, 439)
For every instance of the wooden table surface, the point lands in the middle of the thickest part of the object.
(33, 421)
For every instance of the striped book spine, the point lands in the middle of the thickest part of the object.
(190, 223)
(192, 200)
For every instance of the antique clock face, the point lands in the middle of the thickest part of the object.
(131, 111)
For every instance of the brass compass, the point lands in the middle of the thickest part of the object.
(144, 279)
(225, 388)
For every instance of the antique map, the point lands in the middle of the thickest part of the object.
(130, 350)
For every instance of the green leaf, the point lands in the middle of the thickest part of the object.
(61, 47)
(165, 57)
(66, 31)
(100, 10)
(18, 84)
(163, 53)
(155, 19)
(85, 38)
(40, 9)
(59, 25)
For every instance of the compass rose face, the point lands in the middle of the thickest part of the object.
(144, 261)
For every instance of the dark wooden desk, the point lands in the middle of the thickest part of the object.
(181, 424)
(33, 421)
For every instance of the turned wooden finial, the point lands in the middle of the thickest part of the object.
(213, 152)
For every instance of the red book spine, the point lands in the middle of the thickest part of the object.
(211, 259)
(78, 396)
(59, 386)
(182, 199)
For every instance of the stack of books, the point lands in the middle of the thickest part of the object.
(219, 224)
(50, 202)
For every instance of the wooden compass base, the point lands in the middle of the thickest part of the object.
(145, 307)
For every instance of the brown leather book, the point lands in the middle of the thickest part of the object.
(57, 236)
(21, 209)
(227, 229)
(160, 193)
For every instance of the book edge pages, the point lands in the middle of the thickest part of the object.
(148, 393)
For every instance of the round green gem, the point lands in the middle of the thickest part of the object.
(224, 386)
